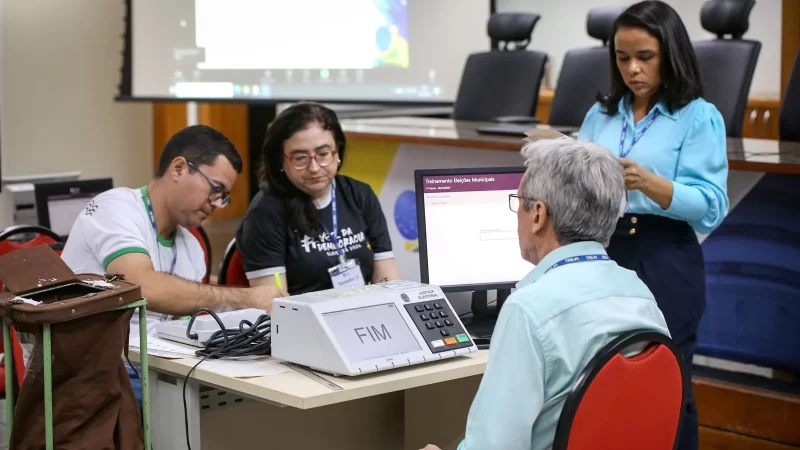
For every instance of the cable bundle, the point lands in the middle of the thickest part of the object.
(250, 339)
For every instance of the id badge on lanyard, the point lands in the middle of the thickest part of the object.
(623, 206)
(348, 271)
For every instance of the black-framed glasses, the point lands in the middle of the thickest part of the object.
(513, 201)
(218, 193)
(301, 160)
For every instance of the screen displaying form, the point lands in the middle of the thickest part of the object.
(345, 50)
(470, 233)
(371, 332)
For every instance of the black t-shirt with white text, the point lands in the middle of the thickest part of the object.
(268, 246)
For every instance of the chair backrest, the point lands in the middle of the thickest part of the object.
(585, 72)
(202, 237)
(23, 236)
(504, 82)
(627, 401)
(231, 271)
(19, 361)
(727, 65)
(789, 126)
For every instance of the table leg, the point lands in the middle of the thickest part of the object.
(167, 419)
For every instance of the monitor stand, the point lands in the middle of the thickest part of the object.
(481, 323)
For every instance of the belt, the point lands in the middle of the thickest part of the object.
(650, 226)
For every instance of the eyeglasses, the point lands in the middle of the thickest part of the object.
(513, 201)
(218, 194)
(301, 160)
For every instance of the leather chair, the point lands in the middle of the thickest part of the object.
(727, 64)
(585, 72)
(789, 124)
(231, 271)
(503, 85)
(627, 401)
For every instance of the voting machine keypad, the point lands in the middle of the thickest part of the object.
(437, 324)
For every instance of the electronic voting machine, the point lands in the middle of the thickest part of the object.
(362, 329)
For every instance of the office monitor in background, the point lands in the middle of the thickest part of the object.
(58, 204)
(468, 235)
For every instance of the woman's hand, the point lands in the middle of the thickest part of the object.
(658, 188)
(636, 177)
(431, 447)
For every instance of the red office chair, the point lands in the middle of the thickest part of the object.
(202, 237)
(19, 363)
(231, 271)
(23, 236)
(627, 402)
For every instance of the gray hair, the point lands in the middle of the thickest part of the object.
(581, 183)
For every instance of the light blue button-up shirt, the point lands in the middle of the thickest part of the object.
(548, 330)
(686, 146)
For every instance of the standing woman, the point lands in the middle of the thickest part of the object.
(315, 228)
(671, 144)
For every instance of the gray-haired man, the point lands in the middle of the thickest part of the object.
(575, 301)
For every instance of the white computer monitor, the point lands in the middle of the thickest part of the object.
(467, 232)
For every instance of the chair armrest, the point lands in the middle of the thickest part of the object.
(516, 119)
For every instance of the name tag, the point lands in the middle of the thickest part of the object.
(347, 274)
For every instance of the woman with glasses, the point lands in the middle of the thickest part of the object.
(311, 226)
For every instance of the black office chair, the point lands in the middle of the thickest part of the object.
(789, 124)
(503, 85)
(585, 71)
(727, 65)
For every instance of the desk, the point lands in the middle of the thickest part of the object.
(743, 154)
(398, 409)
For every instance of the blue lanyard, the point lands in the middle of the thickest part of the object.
(155, 230)
(577, 259)
(332, 233)
(636, 137)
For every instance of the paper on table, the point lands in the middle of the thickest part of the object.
(244, 369)
(162, 348)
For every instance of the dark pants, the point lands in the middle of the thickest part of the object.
(136, 383)
(667, 257)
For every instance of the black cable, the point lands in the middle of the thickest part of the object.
(250, 339)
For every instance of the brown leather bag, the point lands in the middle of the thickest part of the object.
(93, 403)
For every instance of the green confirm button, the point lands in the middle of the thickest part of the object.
(462, 338)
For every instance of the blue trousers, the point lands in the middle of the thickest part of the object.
(136, 383)
(667, 257)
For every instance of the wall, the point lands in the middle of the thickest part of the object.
(563, 26)
(60, 70)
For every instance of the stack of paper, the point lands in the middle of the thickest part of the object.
(163, 348)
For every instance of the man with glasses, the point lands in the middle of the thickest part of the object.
(574, 302)
(142, 233)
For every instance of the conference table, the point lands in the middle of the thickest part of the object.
(398, 409)
(743, 154)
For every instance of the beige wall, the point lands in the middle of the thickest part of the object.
(60, 70)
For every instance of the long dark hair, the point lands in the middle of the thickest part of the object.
(680, 74)
(300, 208)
